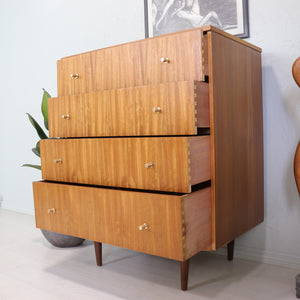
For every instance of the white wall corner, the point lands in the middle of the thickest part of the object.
(263, 256)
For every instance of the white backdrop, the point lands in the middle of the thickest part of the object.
(34, 34)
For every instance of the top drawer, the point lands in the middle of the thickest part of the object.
(173, 57)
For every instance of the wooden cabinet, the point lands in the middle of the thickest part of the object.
(156, 146)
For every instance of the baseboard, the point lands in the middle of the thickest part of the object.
(22, 211)
(264, 256)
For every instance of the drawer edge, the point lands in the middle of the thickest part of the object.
(197, 222)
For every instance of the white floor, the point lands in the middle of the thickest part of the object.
(31, 268)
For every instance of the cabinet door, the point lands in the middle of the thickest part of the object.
(173, 226)
(165, 164)
(176, 108)
(168, 58)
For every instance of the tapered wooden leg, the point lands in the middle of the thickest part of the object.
(98, 252)
(184, 273)
(230, 249)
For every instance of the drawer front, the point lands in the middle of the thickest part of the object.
(176, 108)
(75, 75)
(134, 64)
(158, 224)
(165, 164)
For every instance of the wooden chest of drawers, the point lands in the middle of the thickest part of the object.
(156, 146)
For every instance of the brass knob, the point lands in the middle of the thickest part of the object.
(165, 60)
(149, 165)
(58, 161)
(144, 226)
(51, 210)
(156, 109)
(67, 117)
(76, 76)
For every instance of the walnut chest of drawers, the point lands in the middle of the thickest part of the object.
(156, 146)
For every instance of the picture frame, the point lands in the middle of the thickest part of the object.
(166, 16)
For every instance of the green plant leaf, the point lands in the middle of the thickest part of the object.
(37, 127)
(46, 96)
(32, 166)
(37, 146)
(36, 152)
(46, 124)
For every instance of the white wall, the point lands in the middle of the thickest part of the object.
(35, 33)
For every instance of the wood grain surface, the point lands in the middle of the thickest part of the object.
(181, 108)
(114, 216)
(134, 64)
(236, 137)
(297, 167)
(296, 75)
(121, 162)
(296, 71)
(196, 209)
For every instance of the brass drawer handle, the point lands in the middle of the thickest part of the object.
(51, 210)
(76, 76)
(66, 117)
(144, 226)
(165, 60)
(149, 165)
(156, 109)
(58, 161)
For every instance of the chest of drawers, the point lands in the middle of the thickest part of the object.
(156, 146)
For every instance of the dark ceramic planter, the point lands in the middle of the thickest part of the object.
(61, 240)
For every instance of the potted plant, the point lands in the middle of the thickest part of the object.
(56, 239)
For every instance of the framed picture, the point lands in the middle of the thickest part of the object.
(165, 16)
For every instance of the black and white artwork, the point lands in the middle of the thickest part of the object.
(166, 16)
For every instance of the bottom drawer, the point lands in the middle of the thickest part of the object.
(172, 226)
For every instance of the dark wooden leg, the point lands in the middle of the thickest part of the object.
(230, 248)
(98, 252)
(184, 273)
